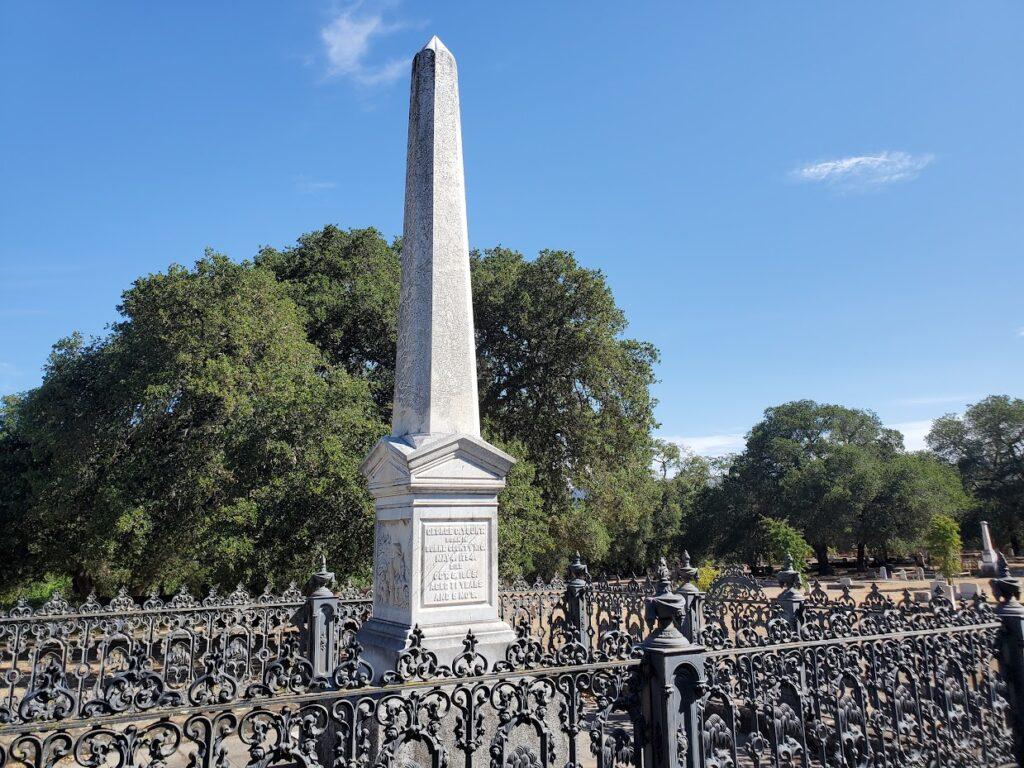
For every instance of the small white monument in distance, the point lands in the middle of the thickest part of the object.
(435, 482)
(989, 558)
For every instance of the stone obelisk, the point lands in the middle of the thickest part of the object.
(434, 480)
(989, 558)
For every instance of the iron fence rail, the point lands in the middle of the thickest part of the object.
(920, 697)
(609, 672)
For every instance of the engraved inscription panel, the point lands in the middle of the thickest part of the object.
(455, 562)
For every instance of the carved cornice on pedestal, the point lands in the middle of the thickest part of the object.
(449, 463)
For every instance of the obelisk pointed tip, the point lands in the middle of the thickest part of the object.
(436, 45)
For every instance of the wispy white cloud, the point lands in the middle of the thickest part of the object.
(347, 41)
(1020, 331)
(306, 186)
(864, 171)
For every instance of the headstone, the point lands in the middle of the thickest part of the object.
(968, 590)
(900, 575)
(941, 587)
(883, 574)
(989, 558)
(846, 581)
(435, 482)
(919, 574)
(922, 596)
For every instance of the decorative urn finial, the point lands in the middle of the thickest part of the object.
(319, 584)
(789, 576)
(578, 571)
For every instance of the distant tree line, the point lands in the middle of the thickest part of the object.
(836, 479)
(214, 435)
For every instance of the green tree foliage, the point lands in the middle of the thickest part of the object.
(912, 489)
(944, 545)
(203, 440)
(16, 469)
(776, 539)
(835, 474)
(816, 465)
(524, 534)
(987, 446)
(346, 286)
(556, 377)
(683, 478)
(215, 434)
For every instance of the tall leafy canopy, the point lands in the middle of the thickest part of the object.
(987, 446)
(215, 434)
(557, 376)
(836, 475)
(205, 439)
(345, 284)
(557, 380)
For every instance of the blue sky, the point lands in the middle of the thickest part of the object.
(790, 200)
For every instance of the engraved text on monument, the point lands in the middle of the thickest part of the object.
(456, 562)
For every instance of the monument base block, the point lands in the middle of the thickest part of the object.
(383, 641)
(435, 548)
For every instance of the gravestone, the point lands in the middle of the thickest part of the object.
(968, 590)
(989, 558)
(435, 482)
(942, 588)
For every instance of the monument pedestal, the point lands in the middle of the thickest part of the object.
(435, 547)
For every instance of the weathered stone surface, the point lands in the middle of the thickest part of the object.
(435, 554)
(435, 377)
(435, 481)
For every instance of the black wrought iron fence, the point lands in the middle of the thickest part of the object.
(731, 678)
(97, 648)
(99, 651)
(917, 697)
(535, 706)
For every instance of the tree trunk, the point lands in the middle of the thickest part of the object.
(862, 557)
(821, 553)
(82, 583)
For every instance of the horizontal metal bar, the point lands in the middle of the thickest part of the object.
(850, 640)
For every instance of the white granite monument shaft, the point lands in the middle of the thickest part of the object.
(435, 377)
(435, 481)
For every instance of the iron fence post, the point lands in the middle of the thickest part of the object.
(1011, 649)
(674, 677)
(792, 596)
(691, 621)
(577, 595)
(317, 619)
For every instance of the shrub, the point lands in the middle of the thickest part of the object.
(944, 545)
(775, 539)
